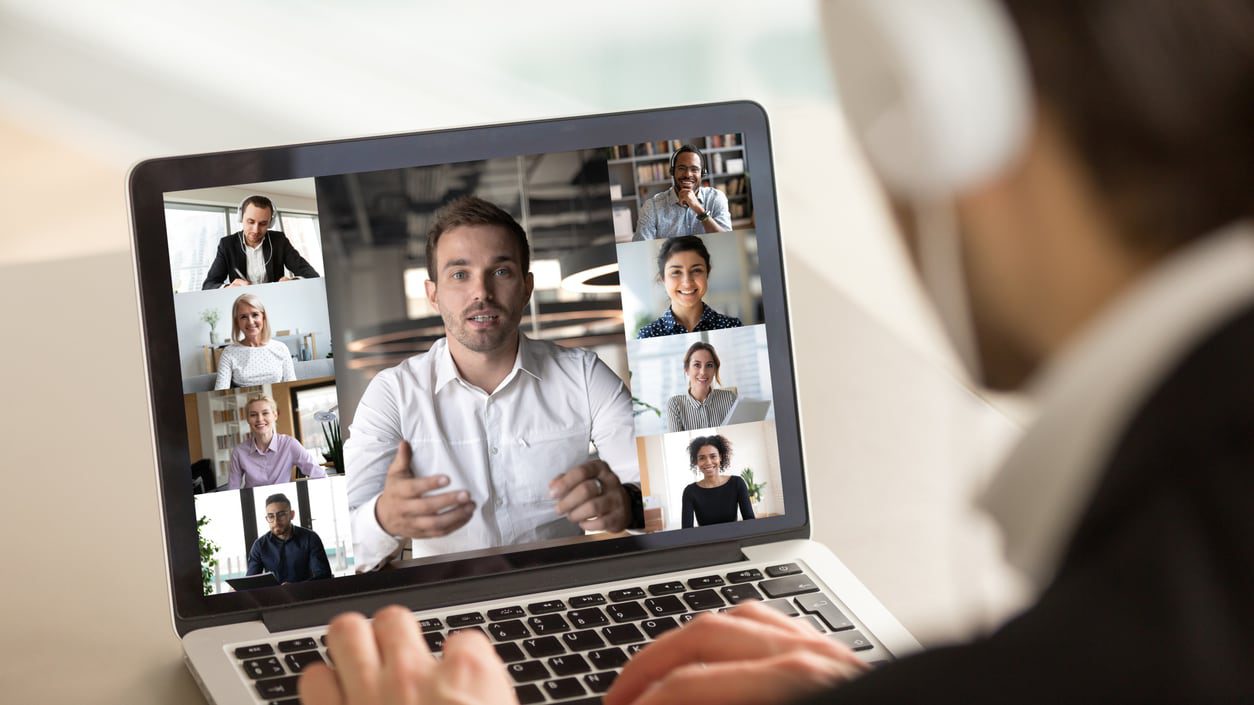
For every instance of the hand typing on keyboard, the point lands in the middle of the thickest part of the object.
(390, 663)
(752, 654)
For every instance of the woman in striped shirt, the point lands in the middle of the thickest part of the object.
(702, 406)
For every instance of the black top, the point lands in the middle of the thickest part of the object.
(716, 505)
(1153, 601)
(301, 557)
(231, 263)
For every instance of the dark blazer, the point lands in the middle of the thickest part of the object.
(231, 263)
(1154, 599)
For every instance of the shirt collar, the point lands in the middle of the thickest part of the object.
(252, 445)
(1088, 393)
(672, 196)
(526, 360)
(672, 324)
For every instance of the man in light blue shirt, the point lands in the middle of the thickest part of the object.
(687, 207)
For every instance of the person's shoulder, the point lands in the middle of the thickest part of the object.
(417, 371)
(546, 351)
(738, 480)
(652, 330)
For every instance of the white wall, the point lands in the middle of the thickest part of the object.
(300, 304)
(753, 446)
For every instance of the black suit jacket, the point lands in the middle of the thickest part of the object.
(231, 263)
(1154, 599)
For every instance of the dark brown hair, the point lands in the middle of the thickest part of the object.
(260, 202)
(699, 345)
(721, 444)
(1157, 99)
(472, 210)
(683, 243)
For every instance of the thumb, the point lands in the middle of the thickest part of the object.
(400, 467)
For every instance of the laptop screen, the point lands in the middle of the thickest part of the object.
(429, 363)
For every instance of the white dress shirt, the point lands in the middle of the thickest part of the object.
(1088, 394)
(502, 448)
(256, 259)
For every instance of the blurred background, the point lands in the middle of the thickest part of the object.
(88, 89)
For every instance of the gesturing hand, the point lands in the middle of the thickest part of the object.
(751, 654)
(389, 663)
(591, 496)
(409, 507)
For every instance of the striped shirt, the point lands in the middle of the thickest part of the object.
(683, 413)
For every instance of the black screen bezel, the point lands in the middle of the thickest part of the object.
(151, 179)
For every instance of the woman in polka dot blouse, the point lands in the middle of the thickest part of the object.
(683, 267)
(253, 358)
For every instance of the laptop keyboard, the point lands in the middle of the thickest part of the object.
(568, 647)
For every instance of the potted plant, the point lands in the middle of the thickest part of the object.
(335, 442)
(755, 488)
(211, 316)
(208, 557)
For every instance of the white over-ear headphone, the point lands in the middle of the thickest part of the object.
(938, 93)
(936, 90)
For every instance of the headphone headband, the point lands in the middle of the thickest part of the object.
(937, 92)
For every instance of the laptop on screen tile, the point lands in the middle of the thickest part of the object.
(534, 378)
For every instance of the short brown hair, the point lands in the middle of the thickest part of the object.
(472, 210)
(1157, 99)
(256, 200)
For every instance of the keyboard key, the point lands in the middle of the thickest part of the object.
(605, 659)
(323, 640)
(656, 627)
(508, 631)
(626, 612)
(543, 646)
(548, 624)
(704, 600)
(527, 671)
(253, 651)
(546, 607)
(627, 594)
(568, 665)
(831, 615)
(582, 641)
(791, 585)
(779, 571)
(600, 682)
(782, 606)
(586, 601)
(633, 649)
(284, 687)
(431, 624)
(451, 632)
(744, 576)
(620, 634)
(661, 606)
(465, 620)
(813, 622)
(736, 594)
(504, 613)
(709, 581)
(509, 652)
(585, 619)
(853, 639)
(435, 641)
(668, 588)
(264, 668)
(564, 688)
(297, 645)
(298, 661)
(688, 617)
(528, 694)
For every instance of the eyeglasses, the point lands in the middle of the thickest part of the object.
(278, 515)
(685, 169)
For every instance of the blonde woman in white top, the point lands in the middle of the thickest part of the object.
(253, 357)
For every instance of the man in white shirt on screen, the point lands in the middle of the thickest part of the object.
(484, 440)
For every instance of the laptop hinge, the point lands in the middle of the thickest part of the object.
(449, 593)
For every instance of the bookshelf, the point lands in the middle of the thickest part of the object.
(228, 426)
(640, 171)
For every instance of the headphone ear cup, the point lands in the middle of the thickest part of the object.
(937, 92)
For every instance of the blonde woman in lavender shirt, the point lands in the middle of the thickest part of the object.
(253, 357)
(267, 457)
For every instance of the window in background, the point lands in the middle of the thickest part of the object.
(306, 402)
(226, 529)
(193, 233)
(328, 506)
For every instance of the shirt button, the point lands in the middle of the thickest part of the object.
(494, 450)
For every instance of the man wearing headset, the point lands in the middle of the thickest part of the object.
(687, 207)
(256, 254)
(1073, 180)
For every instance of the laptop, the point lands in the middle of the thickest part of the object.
(336, 274)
